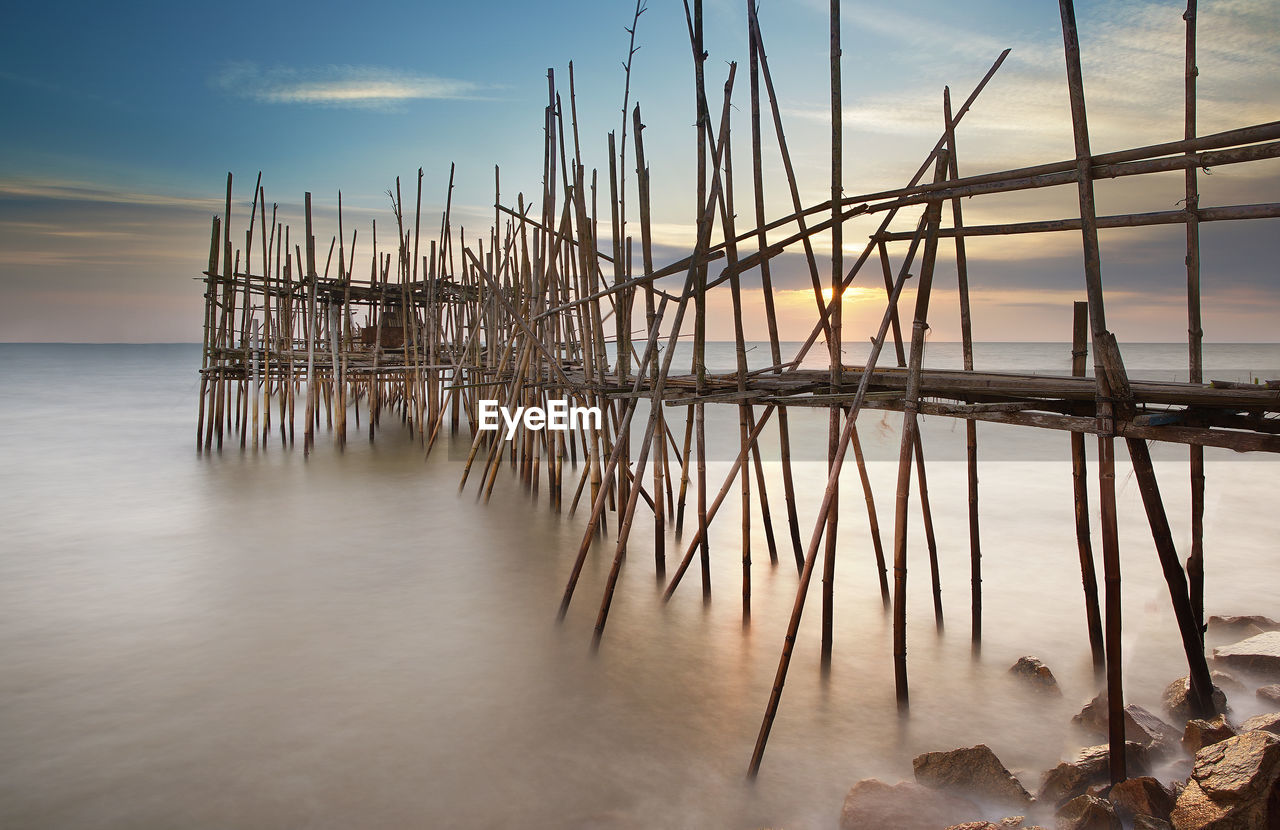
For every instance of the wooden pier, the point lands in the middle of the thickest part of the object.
(539, 307)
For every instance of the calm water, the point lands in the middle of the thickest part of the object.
(255, 640)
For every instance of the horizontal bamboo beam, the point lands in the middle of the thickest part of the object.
(1269, 210)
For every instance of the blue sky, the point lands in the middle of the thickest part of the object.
(122, 122)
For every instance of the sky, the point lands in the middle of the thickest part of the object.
(121, 122)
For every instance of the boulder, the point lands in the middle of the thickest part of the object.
(1265, 723)
(975, 771)
(1087, 812)
(1094, 714)
(1225, 682)
(906, 806)
(1200, 733)
(1175, 696)
(1260, 653)
(975, 825)
(1142, 796)
(1241, 626)
(1093, 769)
(1036, 674)
(1140, 726)
(1235, 785)
(1270, 693)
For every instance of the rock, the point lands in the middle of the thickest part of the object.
(1073, 778)
(1270, 693)
(1225, 682)
(1012, 823)
(1233, 786)
(1087, 812)
(1143, 796)
(1262, 723)
(1036, 674)
(1140, 726)
(975, 771)
(1200, 733)
(1150, 823)
(1094, 714)
(975, 825)
(1241, 626)
(1260, 653)
(906, 806)
(1175, 696)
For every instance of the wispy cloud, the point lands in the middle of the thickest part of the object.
(335, 85)
(73, 191)
(1132, 53)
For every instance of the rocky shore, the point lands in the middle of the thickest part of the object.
(1232, 768)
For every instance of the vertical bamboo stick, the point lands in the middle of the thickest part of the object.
(210, 285)
(833, 337)
(766, 280)
(1201, 687)
(646, 258)
(228, 295)
(1195, 562)
(970, 426)
(1106, 439)
(308, 435)
(910, 410)
(700, 299)
(1080, 487)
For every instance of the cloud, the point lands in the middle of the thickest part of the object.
(73, 191)
(1133, 63)
(345, 86)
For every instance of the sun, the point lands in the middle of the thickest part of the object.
(850, 294)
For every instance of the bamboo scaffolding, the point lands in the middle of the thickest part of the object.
(541, 307)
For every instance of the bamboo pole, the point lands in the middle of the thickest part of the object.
(1201, 687)
(833, 334)
(1195, 334)
(970, 426)
(1080, 487)
(910, 427)
(210, 288)
(646, 255)
(766, 282)
(308, 435)
(1106, 440)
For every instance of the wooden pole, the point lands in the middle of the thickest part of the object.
(1080, 487)
(1195, 562)
(1106, 440)
(910, 427)
(646, 254)
(970, 426)
(833, 334)
(766, 280)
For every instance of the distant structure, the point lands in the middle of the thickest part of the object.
(527, 314)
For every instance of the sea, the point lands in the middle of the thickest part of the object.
(262, 639)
